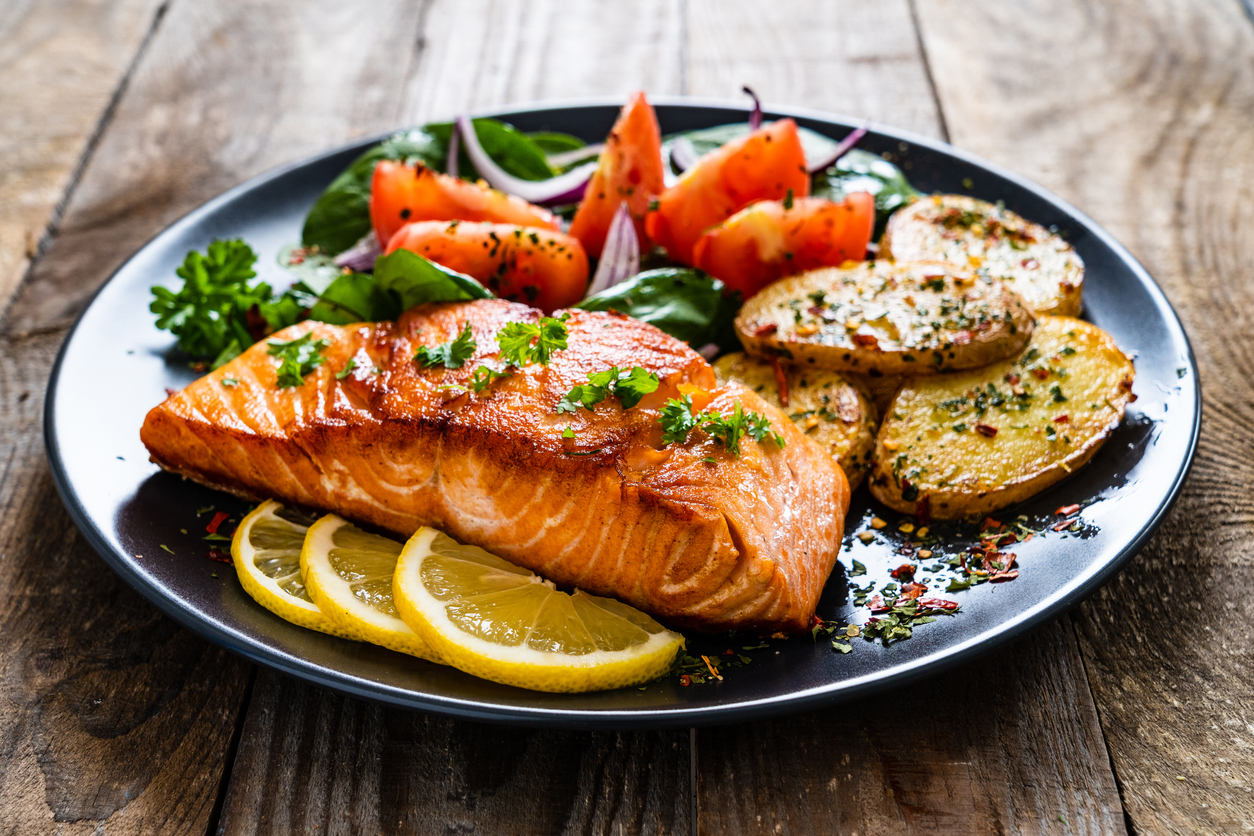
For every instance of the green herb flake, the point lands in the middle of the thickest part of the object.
(230, 382)
(347, 370)
(858, 569)
(568, 433)
(629, 386)
(450, 355)
(524, 342)
(167, 548)
(297, 357)
(483, 376)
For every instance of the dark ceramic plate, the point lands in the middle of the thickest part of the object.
(115, 366)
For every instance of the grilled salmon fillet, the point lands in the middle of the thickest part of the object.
(686, 532)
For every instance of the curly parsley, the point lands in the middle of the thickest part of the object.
(450, 355)
(678, 420)
(524, 342)
(628, 385)
(298, 358)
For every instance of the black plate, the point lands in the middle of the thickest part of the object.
(114, 367)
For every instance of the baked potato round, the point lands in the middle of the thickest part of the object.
(886, 318)
(834, 412)
(965, 445)
(992, 241)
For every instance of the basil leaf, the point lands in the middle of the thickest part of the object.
(341, 215)
(862, 171)
(355, 297)
(414, 280)
(687, 304)
(551, 142)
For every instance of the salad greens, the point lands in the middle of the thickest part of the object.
(683, 302)
(862, 171)
(341, 216)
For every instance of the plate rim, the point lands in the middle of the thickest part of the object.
(1005, 632)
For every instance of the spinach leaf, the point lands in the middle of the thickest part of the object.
(414, 280)
(355, 297)
(705, 140)
(551, 142)
(341, 215)
(862, 171)
(687, 304)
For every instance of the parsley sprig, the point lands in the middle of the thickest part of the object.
(450, 355)
(298, 358)
(481, 378)
(210, 313)
(526, 342)
(678, 420)
(628, 385)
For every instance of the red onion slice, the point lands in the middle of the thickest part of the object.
(755, 115)
(565, 158)
(621, 257)
(845, 146)
(360, 257)
(564, 188)
(709, 351)
(452, 164)
(683, 154)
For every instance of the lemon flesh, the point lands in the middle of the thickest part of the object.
(501, 622)
(266, 553)
(348, 573)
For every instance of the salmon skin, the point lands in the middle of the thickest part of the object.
(696, 537)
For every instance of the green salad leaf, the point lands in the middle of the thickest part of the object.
(685, 303)
(341, 216)
(414, 280)
(551, 142)
(862, 171)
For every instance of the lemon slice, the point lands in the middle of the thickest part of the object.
(266, 554)
(349, 576)
(498, 621)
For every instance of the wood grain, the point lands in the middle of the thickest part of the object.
(995, 747)
(847, 56)
(310, 761)
(110, 715)
(1142, 114)
(60, 65)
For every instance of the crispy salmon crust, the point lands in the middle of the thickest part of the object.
(743, 543)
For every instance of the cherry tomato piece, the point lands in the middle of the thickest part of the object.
(540, 267)
(630, 169)
(765, 165)
(400, 194)
(766, 241)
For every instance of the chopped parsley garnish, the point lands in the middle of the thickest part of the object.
(347, 370)
(230, 382)
(788, 201)
(1055, 392)
(568, 433)
(483, 376)
(298, 358)
(628, 385)
(524, 342)
(678, 421)
(450, 355)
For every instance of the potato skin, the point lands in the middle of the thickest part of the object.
(940, 455)
(886, 318)
(981, 236)
(833, 411)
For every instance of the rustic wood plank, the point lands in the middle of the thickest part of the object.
(60, 65)
(111, 716)
(994, 747)
(1142, 113)
(851, 57)
(311, 761)
(954, 755)
(224, 92)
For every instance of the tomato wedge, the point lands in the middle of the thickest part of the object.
(540, 267)
(400, 193)
(630, 169)
(765, 165)
(771, 239)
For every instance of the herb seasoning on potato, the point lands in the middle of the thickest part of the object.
(966, 445)
(885, 318)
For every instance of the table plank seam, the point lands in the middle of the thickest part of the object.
(943, 124)
(89, 150)
(215, 815)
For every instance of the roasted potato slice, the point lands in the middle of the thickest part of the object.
(968, 444)
(831, 410)
(885, 318)
(993, 241)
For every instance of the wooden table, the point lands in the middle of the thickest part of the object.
(1132, 713)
